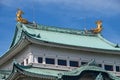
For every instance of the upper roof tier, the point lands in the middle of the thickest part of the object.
(69, 37)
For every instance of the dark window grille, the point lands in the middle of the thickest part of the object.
(117, 68)
(109, 67)
(83, 63)
(62, 62)
(74, 63)
(26, 61)
(40, 59)
(100, 65)
(50, 61)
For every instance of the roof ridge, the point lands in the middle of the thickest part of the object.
(60, 29)
(106, 41)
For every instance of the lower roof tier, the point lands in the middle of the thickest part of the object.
(51, 74)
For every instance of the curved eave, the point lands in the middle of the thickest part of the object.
(21, 44)
(108, 42)
(14, 37)
(35, 39)
(78, 71)
(18, 71)
(69, 37)
(26, 39)
(47, 43)
(18, 26)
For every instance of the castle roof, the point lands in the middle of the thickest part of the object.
(26, 34)
(22, 71)
(62, 36)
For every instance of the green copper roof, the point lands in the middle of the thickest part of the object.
(91, 66)
(63, 36)
(41, 71)
(4, 74)
(55, 74)
(87, 68)
(33, 72)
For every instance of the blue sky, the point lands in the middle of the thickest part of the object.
(75, 14)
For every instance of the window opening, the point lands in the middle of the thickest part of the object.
(62, 62)
(117, 68)
(109, 67)
(50, 61)
(40, 59)
(74, 63)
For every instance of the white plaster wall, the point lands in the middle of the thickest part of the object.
(32, 52)
(52, 52)
(19, 58)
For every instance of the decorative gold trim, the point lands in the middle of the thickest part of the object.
(19, 17)
(98, 29)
